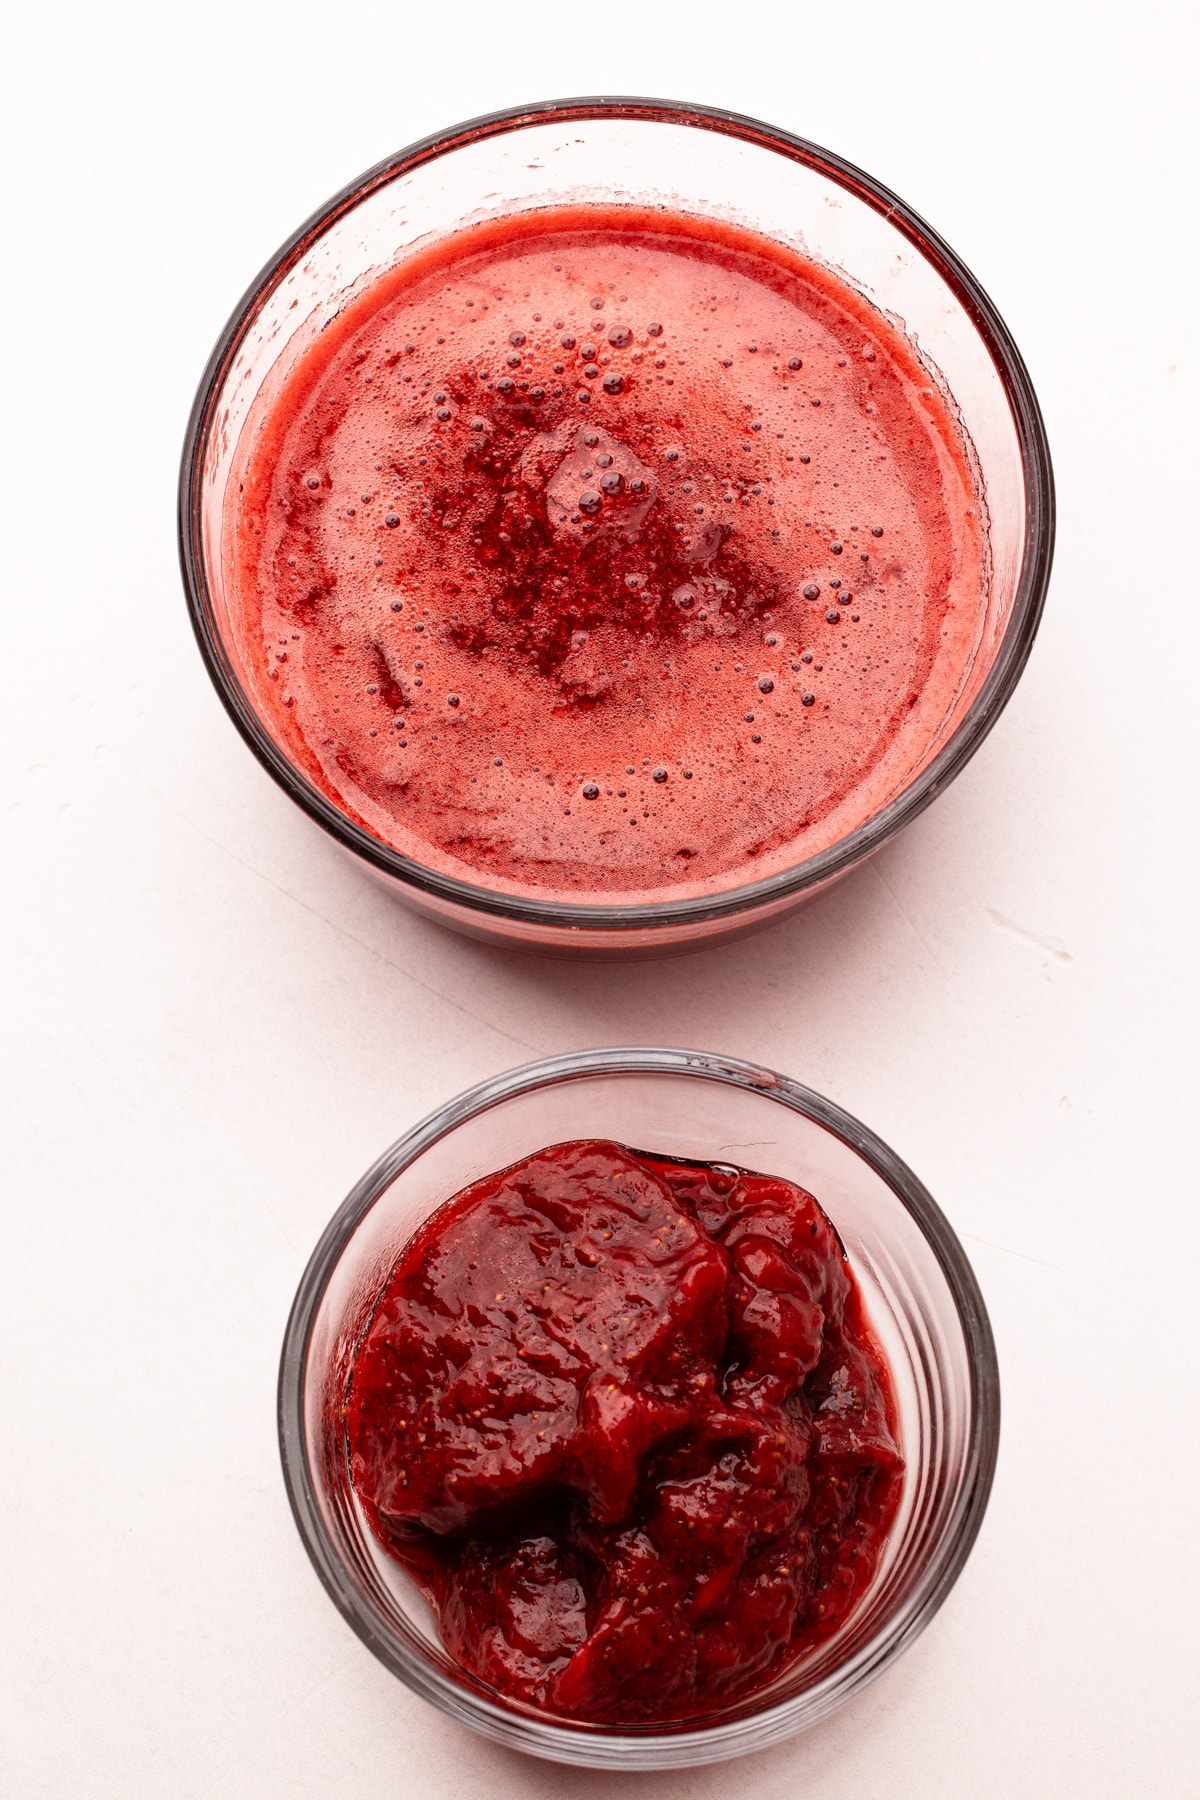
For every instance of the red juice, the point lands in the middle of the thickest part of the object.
(607, 553)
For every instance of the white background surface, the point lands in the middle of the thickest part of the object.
(213, 1022)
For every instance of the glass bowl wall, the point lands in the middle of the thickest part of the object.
(923, 1302)
(694, 160)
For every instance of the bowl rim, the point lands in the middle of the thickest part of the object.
(813, 871)
(647, 1748)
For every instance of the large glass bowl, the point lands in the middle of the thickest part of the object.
(922, 1299)
(695, 160)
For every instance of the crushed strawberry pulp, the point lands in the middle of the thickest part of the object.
(625, 1422)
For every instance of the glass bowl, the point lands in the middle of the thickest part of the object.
(712, 164)
(921, 1296)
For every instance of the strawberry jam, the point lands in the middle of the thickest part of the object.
(606, 553)
(626, 1424)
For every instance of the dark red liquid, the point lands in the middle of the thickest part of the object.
(607, 553)
(625, 1422)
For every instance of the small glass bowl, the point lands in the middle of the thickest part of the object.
(921, 1295)
(696, 160)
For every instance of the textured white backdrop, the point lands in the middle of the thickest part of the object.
(213, 1022)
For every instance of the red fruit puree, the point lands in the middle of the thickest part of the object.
(625, 1422)
(606, 553)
